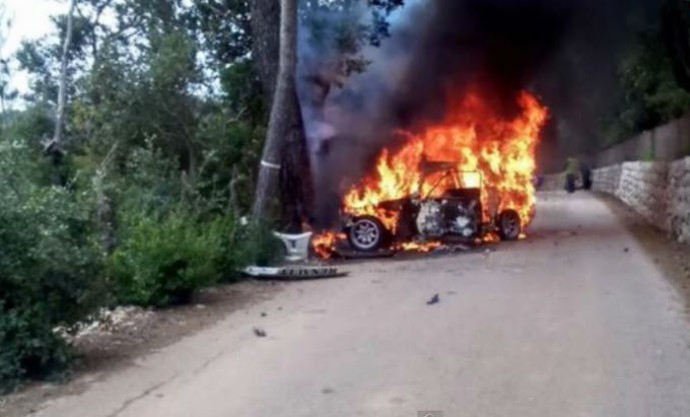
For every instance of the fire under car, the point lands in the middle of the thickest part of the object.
(449, 210)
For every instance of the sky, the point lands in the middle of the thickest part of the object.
(30, 19)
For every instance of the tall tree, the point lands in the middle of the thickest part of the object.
(55, 146)
(284, 113)
(295, 177)
(6, 92)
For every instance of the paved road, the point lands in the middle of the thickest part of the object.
(560, 325)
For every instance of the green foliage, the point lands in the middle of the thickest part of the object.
(650, 95)
(164, 261)
(177, 234)
(49, 269)
(242, 90)
(253, 245)
(161, 158)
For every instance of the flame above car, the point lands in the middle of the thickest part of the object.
(473, 138)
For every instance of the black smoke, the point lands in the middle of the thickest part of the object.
(566, 52)
(497, 44)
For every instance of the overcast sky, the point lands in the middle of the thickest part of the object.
(30, 20)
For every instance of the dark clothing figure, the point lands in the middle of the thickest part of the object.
(570, 180)
(572, 168)
(586, 177)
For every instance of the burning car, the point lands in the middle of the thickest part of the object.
(455, 214)
(467, 176)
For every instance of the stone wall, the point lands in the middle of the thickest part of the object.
(658, 191)
(679, 199)
(607, 179)
(643, 187)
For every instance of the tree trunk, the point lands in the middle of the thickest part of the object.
(295, 173)
(291, 149)
(280, 123)
(265, 21)
(62, 91)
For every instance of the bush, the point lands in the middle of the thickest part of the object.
(177, 233)
(164, 261)
(251, 245)
(49, 270)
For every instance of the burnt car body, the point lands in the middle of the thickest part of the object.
(455, 215)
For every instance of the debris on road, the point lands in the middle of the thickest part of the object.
(434, 300)
(626, 250)
(259, 332)
(106, 321)
(352, 254)
(457, 248)
(294, 272)
(263, 314)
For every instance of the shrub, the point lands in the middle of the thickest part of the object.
(49, 270)
(250, 245)
(164, 261)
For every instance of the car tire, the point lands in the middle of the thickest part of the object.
(367, 234)
(509, 225)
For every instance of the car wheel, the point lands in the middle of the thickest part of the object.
(367, 234)
(509, 225)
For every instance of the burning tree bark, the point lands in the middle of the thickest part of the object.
(285, 159)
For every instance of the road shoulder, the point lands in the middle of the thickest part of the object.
(670, 256)
(110, 348)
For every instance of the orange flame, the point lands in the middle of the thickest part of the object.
(324, 243)
(474, 138)
(420, 247)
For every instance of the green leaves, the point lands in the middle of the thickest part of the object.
(650, 95)
(163, 262)
(50, 269)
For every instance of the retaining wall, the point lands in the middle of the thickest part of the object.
(658, 191)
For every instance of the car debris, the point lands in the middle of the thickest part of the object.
(294, 272)
(434, 300)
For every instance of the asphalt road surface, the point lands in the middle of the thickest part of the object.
(575, 321)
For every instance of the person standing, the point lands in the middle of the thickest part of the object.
(571, 172)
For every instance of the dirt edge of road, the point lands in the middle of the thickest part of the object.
(669, 255)
(145, 331)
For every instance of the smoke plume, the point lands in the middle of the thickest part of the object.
(442, 47)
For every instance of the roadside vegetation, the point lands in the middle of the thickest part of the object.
(652, 75)
(127, 169)
(140, 200)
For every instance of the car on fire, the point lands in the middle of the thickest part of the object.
(450, 210)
